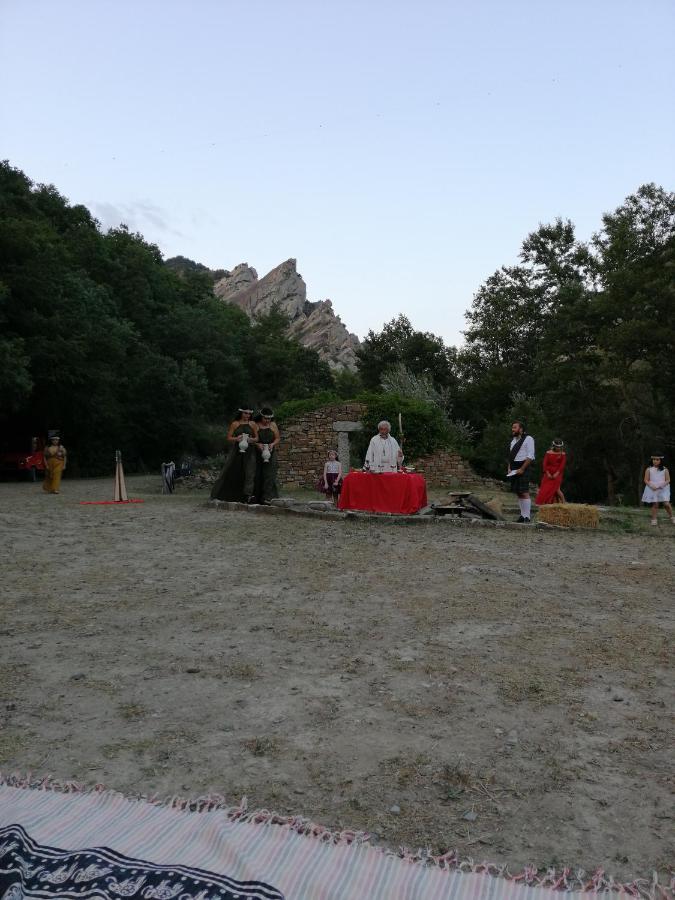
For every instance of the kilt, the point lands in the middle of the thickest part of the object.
(520, 484)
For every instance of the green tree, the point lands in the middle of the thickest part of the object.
(587, 333)
(421, 352)
(281, 368)
(425, 427)
(347, 384)
(101, 339)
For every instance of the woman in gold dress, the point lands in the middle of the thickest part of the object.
(55, 457)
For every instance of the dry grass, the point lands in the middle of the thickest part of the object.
(264, 746)
(245, 671)
(517, 687)
(12, 743)
(137, 747)
(105, 687)
(132, 711)
(11, 679)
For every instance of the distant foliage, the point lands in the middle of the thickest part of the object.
(577, 337)
(181, 265)
(425, 427)
(292, 408)
(347, 384)
(102, 340)
(399, 379)
(422, 353)
(587, 331)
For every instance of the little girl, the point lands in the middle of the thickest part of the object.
(331, 480)
(657, 488)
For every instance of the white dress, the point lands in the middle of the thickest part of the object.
(661, 492)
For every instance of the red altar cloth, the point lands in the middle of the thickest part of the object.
(390, 492)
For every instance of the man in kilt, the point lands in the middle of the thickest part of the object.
(521, 457)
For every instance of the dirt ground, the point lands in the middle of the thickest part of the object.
(504, 692)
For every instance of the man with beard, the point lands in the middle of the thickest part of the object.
(521, 457)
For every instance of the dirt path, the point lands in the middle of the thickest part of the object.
(503, 692)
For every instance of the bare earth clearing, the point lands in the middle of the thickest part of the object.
(505, 692)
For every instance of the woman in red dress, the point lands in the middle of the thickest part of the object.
(553, 467)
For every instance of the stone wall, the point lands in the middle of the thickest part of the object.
(306, 439)
(444, 467)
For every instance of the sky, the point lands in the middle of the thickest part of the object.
(400, 151)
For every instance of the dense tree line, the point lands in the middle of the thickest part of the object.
(99, 338)
(578, 338)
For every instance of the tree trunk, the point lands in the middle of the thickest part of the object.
(611, 482)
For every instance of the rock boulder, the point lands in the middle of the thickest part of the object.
(314, 325)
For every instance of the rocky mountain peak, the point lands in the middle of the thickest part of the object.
(314, 325)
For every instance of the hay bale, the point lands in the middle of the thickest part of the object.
(569, 515)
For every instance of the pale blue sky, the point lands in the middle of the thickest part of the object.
(400, 151)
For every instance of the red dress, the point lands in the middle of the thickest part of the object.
(553, 464)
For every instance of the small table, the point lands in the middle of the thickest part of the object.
(404, 493)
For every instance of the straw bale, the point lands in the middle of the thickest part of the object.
(569, 515)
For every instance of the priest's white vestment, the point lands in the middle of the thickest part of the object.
(382, 455)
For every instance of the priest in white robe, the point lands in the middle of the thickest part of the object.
(384, 453)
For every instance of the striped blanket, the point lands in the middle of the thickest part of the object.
(68, 843)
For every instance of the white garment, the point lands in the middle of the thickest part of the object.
(527, 448)
(332, 467)
(382, 455)
(660, 493)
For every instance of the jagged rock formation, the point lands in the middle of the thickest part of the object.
(236, 282)
(314, 325)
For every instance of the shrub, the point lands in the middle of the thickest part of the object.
(292, 408)
(425, 427)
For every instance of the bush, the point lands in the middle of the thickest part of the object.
(425, 427)
(292, 408)
(209, 440)
(347, 384)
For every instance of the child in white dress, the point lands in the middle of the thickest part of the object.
(657, 488)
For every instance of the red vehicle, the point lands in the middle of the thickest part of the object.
(27, 462)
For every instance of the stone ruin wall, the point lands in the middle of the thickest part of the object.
(306, 439)
(446, 467)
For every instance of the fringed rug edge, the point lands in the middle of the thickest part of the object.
(565, 879)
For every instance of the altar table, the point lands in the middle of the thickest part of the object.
(389, 492)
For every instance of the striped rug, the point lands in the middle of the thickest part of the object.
(52, 840)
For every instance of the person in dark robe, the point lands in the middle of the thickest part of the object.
(267, 460)
(236, 481)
